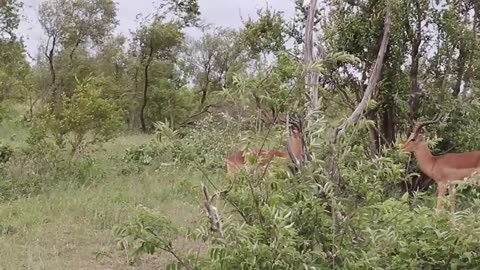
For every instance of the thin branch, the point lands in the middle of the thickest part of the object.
(215, 220)
(223, 194)
(374, 78)
(180, 260)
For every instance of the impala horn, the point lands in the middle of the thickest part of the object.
(420, 125)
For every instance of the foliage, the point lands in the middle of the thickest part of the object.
(267, 34)
(13, 67)
(85, 119)
(286, 223)
(36, 169)
(72, 23)
(168, 102)
(188, 11)
(204, 97)
(187, 146)
(212, 60)
(6, 152)
(146, 233)
(9, 18)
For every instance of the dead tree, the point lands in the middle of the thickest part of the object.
(360, 109)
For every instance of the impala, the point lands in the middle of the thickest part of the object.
(446, 170)
(296, 152)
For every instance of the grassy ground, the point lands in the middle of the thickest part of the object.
(67, 226)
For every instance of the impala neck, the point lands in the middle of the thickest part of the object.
(425, 159)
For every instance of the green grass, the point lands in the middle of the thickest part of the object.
(68, 225)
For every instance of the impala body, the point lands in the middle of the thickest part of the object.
(446, 170)
(295, 152)
(237, 161)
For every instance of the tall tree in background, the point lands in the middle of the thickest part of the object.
(159, 37)
(13, 65)
(213, 59)
(70, 25)
(157, 41)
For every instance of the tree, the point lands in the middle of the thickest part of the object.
(309, 58)
(71, 24)
(213, 59)
(268, 34)
(87, 117)
(13, 65)
(9, 18)
(158, 38)
(156, 41)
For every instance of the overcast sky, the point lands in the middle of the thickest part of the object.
(220, 12)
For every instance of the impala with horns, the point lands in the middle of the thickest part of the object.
(296, 151)
(446, 170)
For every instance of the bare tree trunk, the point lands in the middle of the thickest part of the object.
(49, 53)
(473, 49)
(133, 110)
(311, 78)
(208, 70)
(462, 61)
(416, 40)
(375, 73)
(145, 92)
(372, 82)
(462, 58)
(388, 122)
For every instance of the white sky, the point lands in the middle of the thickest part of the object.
(219, 12)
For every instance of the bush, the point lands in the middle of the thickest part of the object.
(83, 119)
(192, 145)
(6, 152)
(311, 222)
(36, 169)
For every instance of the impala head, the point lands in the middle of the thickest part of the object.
(296, 146)
(417, 137)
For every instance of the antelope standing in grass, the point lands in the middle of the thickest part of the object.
(446, 170)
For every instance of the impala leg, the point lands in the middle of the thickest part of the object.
(452, 189)
(441, 195)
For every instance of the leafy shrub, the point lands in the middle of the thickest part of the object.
(83, 119)
(146, 233)
(205, 145)
(312, 222)
(34, 170)
(6, 152)
(143, 154)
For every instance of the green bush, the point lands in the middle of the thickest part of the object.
(83, 119)
(192, 146)
(361, 221)
(6, 153)
(36, 169)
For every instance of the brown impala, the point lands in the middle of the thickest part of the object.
(296, 152)
(446, 170)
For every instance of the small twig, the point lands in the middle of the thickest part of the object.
(223, 194)
(174, 254)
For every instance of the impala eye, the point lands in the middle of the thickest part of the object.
(413, 139)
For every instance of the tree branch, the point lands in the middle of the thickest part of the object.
(333, 168)
(374, 78)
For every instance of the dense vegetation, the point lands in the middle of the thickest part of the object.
(106, 140)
